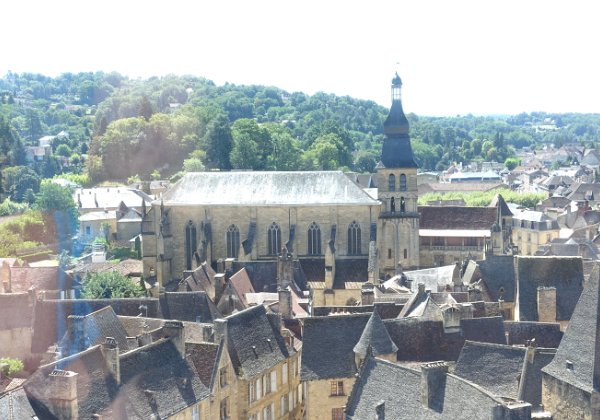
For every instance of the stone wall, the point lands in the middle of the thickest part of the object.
(564, 400)
(320, 402)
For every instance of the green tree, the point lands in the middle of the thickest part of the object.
(110, 285)
(63, 150)
(511, 163)
(10, 367)
(365, 162)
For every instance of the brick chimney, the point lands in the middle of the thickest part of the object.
(174, 331)
(62, 389)
(110, 351)
(433, 384)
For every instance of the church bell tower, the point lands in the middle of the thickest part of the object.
(398, 225)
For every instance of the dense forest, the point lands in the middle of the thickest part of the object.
(107, 127)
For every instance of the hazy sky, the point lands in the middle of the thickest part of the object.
(454, 56)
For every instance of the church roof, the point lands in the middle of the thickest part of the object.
(266, 189)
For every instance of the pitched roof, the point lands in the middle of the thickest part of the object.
(498, 274)
(546, 334)
(454, 217)
(188, 306)
(50, 316)
(41, 278)
(564, 273)
(89, 330)
(240, 281)
(376, 337)
(398, 387)
(200, 280)
(260, 350)
(101, 394)
(488, 329)
(14, 405)
(577, 359)
(159, 382)
(266, 189)
(338, 334)
(496, 367)
(109, 198)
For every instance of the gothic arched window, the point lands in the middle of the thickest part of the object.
(354, 239)
(233, 241)
(190, 244)
(314, 239)
(402, 182)
(392, 182)
(274, 239)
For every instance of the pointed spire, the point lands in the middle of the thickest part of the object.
(396, 151)
(376, 337)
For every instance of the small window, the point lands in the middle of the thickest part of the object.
(273, 380)
(195, 413)
(389, 253)
(88, 230)
(337, 388)
(405, 253)
(392, 182)
(224, 409)
(284, 373)
(569, 365)
(314, 239)
(337, 413)
(251, 392)
(223, 377)
(233, 241)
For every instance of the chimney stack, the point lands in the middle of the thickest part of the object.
(62, 389)
(285, 302)
(220, 326)
(174, 331)
(110, 351)
(546, 304)
(220, 280)
(433, 384)
(513, 410)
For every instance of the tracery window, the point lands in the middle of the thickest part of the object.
(314, 239)
(233, 241)
(354, 239)
(274, 239)
(190, 244)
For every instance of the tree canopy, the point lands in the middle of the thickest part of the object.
(110, 285)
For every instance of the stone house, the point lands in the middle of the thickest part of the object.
(571, 382)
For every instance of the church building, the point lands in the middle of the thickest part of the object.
(329, 224)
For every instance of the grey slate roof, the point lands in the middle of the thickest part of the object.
(86, 331)
(50, 316)
(498, 274)
(266, 189)
(376, 337)
(564, 273)
(172, 380)
(579, 344)
(14, 405)
(495, 367)
(546, 334)
(101, 394)
(188, 306)
(255, 344)
(484, 329)
(328, 346)
(399, 388)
